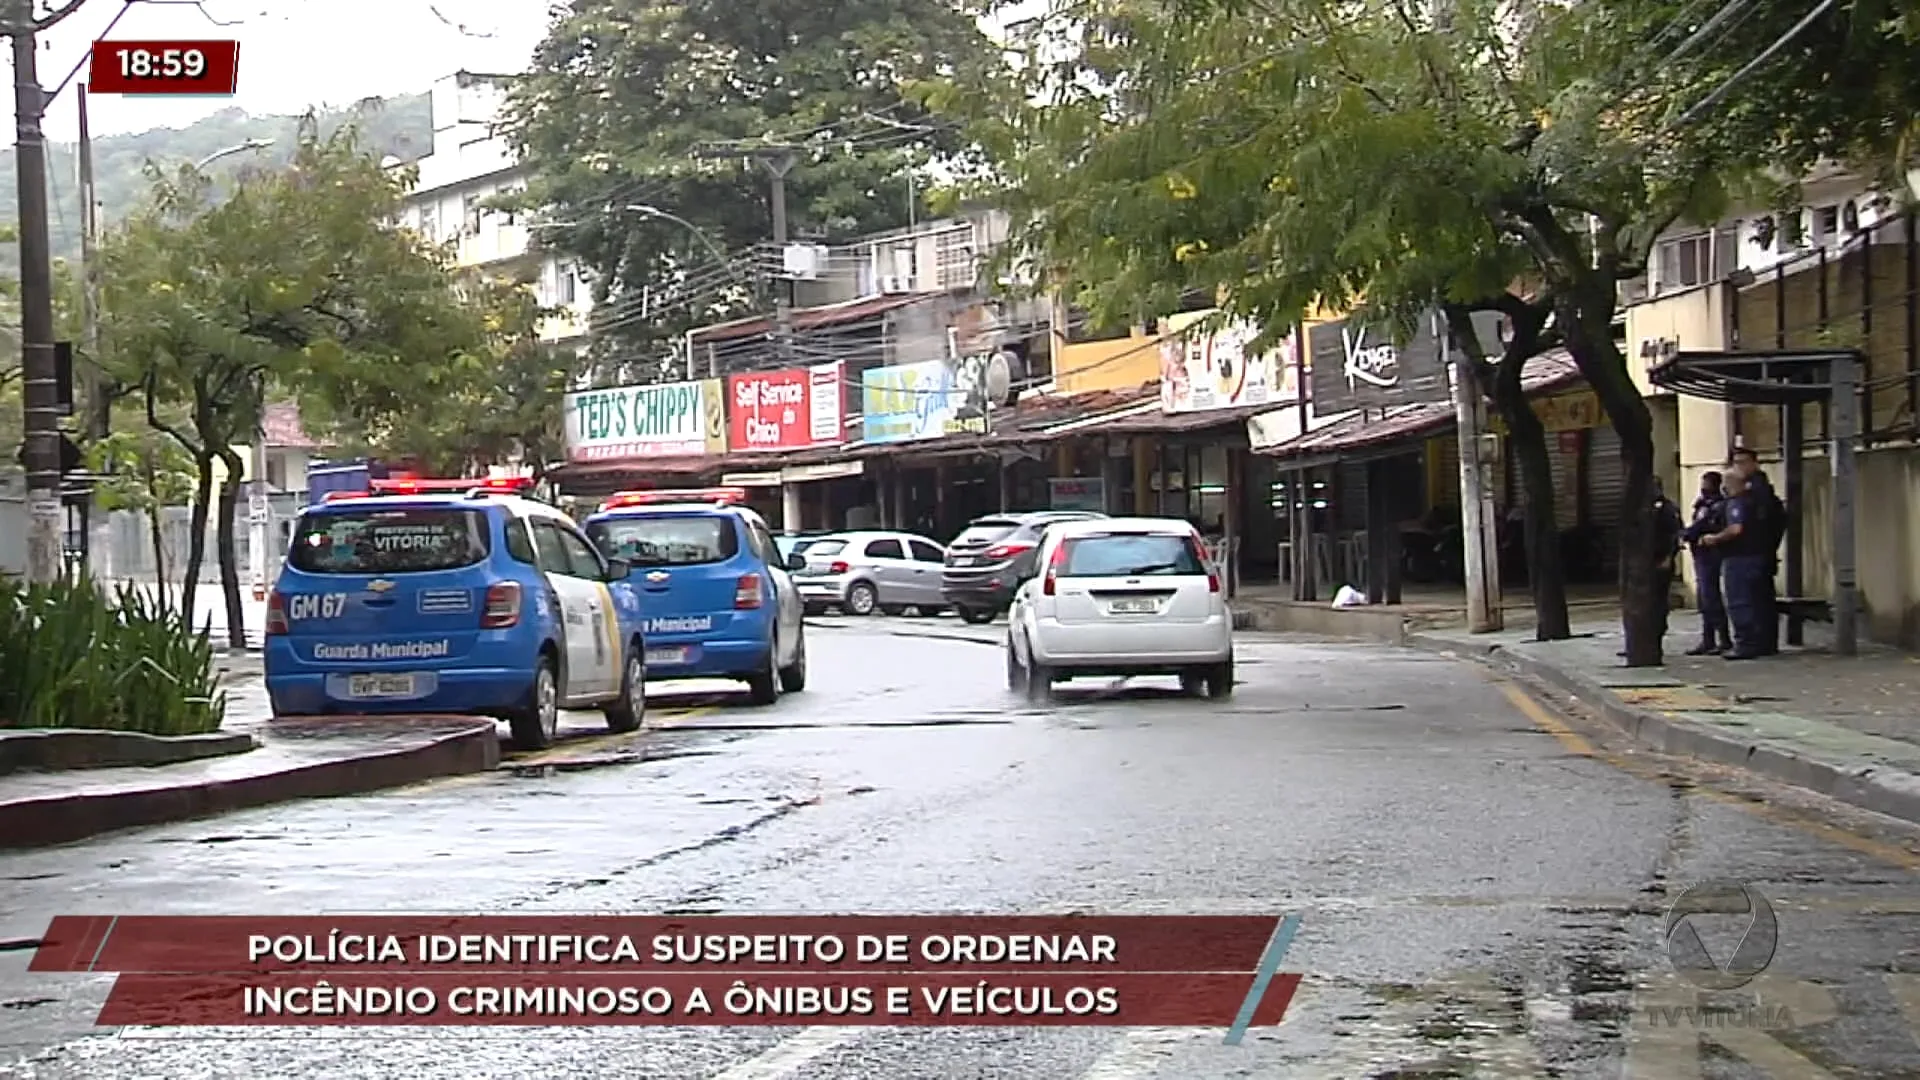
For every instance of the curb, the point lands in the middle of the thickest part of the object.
(85, 748)
(60, 819)
(1893, 792)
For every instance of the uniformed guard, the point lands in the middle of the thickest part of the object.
(1667, 530)
(1768, 523)
(1743, 566)
(1709, 517)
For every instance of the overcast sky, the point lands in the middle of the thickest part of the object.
(293, 53)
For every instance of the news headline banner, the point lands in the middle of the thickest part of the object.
(1159, 971)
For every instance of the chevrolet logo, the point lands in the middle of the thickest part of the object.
(379, 585)
(658, 576)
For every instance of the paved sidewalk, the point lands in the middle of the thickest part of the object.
(294, 759)
(1847, 727)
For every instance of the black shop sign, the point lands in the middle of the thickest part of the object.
(1356, 366)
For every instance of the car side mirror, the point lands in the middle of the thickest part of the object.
(618, 569)
(796, 561)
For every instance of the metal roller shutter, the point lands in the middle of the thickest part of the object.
(1606, 476)
(1566, 479)
(1606, 492)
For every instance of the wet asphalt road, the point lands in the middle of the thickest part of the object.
(1483, 889)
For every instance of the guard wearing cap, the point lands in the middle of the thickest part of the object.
(1744, 566)
(1709, 517)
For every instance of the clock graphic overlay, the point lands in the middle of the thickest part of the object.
(177, 68)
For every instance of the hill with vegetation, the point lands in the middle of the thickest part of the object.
(401, 126)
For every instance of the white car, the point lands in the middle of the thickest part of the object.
(1121, 596)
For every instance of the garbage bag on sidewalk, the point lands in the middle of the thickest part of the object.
(1348, 596)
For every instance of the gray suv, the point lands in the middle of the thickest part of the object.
(988, 560)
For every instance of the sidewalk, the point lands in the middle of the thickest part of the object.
(305, 758)
(1846, 727)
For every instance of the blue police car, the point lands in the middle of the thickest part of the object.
(718, 598)
(453, 597)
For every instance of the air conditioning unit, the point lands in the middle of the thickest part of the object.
(894, 283)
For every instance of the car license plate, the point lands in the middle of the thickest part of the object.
(666, 656)
(963, 560)
(1134, 607)
(380, 686)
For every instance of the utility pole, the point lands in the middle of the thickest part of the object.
(778, 160)
(1478, 521)
(39, 377)
(99, 420)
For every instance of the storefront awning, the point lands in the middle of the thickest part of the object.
(1359, 436)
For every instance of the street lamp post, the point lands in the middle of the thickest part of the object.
(239, 148)
(699, 234)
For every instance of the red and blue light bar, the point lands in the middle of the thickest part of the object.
(718, 496)
(476, 486)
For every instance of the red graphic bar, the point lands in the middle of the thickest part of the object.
(184, 944)
(164, 67)
(357, 999)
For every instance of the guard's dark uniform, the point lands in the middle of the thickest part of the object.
(1709, 517)
(1667, 531)
(1744, 570)
(1767, 542)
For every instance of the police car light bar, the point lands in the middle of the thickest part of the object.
(721, 496)
(503, 485)
(414, 486)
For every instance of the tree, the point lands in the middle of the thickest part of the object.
(623, 92)
(1294, 152)
(295, 283)
(509, 409)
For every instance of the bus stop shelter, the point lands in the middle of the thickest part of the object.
(1790, 379)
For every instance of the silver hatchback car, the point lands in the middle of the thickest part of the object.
(864, 572)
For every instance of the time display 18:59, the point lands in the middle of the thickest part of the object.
(164, 67)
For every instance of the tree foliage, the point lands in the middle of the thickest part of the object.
(1288, 153)
(294, 284)
(623, 92)
(509, 408)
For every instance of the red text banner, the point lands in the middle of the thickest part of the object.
(365, 998)
(702, 944)
(770, 410)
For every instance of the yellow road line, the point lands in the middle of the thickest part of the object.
(1545, 719)
(566, 751)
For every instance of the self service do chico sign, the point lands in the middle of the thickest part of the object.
(784, 410)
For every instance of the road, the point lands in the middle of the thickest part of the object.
(1483, 887)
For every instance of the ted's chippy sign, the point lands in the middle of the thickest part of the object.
(682, 419)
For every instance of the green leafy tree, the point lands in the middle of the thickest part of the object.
(506, 406)
(1294, 152)
(623, 92)
(295, 283)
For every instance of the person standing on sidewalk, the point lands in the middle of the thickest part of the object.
(1666, 538)
(1709, 517)
(1768, 521)
(1743, 567)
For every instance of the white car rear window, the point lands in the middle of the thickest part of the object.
(1131, 555)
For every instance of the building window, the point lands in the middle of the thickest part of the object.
(953, 258)
(470, 215)
(565, 282)
(430, 222)
(1685, 263)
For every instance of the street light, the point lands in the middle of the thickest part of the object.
(250, 144)
(697, 231)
